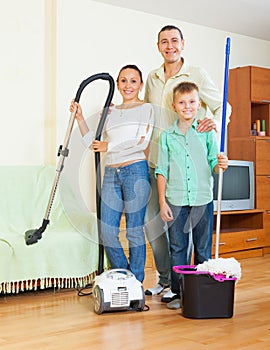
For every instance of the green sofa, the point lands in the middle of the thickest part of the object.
(67, 254)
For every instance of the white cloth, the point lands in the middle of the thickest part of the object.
(228, 267)
(128, 133)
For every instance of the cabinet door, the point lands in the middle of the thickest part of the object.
(263, 157)
(263, 192)
(237, 241)
(260, 84)
(266, 224)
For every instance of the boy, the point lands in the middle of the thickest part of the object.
(186, 159)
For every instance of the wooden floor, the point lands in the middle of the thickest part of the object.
(63, 320)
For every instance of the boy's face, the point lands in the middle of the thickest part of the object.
(186, 105)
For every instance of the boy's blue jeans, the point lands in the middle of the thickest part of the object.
(125, 189)
(198, 219)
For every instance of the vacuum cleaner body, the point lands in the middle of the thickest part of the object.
(118, 290)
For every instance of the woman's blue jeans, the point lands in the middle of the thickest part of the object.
(125, 189)
(198, 219)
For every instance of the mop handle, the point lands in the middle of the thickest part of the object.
(222, 143)
(225, 97)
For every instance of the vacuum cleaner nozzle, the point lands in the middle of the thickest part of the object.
(32, 236)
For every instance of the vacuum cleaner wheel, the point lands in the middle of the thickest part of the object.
(99, 306)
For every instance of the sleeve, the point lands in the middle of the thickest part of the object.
(213, 149)
(141, 140)
(88, 138)
(212, 98)
(146, 90)
(162, 166)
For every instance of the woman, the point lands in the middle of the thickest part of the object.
(126, 183)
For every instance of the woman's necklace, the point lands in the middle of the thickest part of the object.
(124, 106)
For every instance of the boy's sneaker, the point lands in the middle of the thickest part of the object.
(168, 296)
(157, 289)
(175, 303)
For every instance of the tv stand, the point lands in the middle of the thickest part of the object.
(241, 234)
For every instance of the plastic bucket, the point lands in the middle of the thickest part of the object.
(205, 295)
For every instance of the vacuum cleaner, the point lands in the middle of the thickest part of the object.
(118, 290)
(32, 236)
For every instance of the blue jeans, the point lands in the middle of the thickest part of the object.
(125, 189)
(198, 219)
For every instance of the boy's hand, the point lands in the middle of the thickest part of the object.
(222, 161)
(166, 213)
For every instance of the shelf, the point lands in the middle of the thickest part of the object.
(240, 212)
(241, 233)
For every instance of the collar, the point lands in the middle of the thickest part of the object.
(184, 70)
(175, 130)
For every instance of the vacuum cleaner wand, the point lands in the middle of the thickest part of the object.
(32, 236)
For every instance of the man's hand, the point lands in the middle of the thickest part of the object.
(206, 125)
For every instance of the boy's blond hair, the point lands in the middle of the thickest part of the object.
(185, 87)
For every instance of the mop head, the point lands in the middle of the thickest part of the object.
(229, 267)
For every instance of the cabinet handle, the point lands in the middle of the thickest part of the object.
(222, 243)
(267, 101)
(267, 211)
(251, 239)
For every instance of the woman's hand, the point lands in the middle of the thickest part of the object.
(75, 107)
(99, 146)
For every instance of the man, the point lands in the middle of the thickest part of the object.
(159, 92)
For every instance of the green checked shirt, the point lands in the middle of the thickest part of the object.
(187, 161)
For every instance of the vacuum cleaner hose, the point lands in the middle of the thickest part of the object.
(32, 236)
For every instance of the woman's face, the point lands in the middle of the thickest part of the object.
(129, 84)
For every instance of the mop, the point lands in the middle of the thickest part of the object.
(229, 267)
(32, 236)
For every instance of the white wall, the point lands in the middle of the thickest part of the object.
(94, 37)
(91, 37)
(22, 81)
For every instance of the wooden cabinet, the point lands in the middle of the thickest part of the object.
(241, 235)
(249, 96)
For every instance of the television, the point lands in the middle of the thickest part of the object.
(237, 186)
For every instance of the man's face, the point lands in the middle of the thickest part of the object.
(170, 45)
